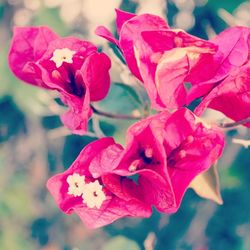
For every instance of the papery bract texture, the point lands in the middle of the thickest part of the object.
(98, 204)
(162, 58)
(192, 147)
(231, 96)
(144, 156)
(233, 51)
(166, 152)
(28, 46)
(129, 27)
(69, 65)
(227, 86)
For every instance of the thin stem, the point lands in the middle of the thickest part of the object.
(115, 116)
(234, 124)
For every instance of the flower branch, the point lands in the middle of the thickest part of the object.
(115, 116)
(234, 124)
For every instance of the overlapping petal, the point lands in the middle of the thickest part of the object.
(165, 58)
(162, 58)
(69, 65)
(233, 52)
(129, 27)
(231, 96)
(27, 47)
(163, 154)
(192, 147)
(113, 207)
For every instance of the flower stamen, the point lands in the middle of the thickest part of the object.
(134, 165)
(148, 152)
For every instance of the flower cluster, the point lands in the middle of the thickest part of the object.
(69, 65)
(163, 152)
(177, 68)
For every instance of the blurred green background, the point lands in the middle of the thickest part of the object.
(34, 145)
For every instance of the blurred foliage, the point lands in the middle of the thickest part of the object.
(33, 146)
(121, 243)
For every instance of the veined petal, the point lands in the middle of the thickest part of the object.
(27, 47)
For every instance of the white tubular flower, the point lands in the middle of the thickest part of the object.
(76, 184)
(93, 195)
(62, 55)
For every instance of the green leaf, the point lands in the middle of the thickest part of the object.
(119, 100)
(130, 90)
(121, 243)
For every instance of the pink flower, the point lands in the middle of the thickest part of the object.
(163, 154)
(82, 190)
(159, 56)
(145, 157)
(192, 147)
(233, 51)
(127, 24)
(69, 65)
(166, 152)
(226, 86)
(231, 96)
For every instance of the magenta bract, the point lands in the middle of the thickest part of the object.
(69, 65)
(233, 51)
(145, 156)
(231, 96)
(93, 197)
(192, 147)
(129, 27)
(227, 86)
(162, 155)
(167, 152)
(162, 58)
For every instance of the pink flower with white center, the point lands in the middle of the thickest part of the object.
(99, 204)
(71, 66)
(233, 90)
(166, 152)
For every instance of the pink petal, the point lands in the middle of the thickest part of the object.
(178, 127)
(232, 51)
(112, 210)
(105, 33)
(192, 148)
(160, 52)
(76, 118)
(121, 18)
(95, 71)
(231, 97)
(131, 34)
(106, 161)
(169, 78)
(157, 191)
(27, 47)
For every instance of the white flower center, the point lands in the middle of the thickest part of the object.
(93, 194)
(76, 184)
(62, 55)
